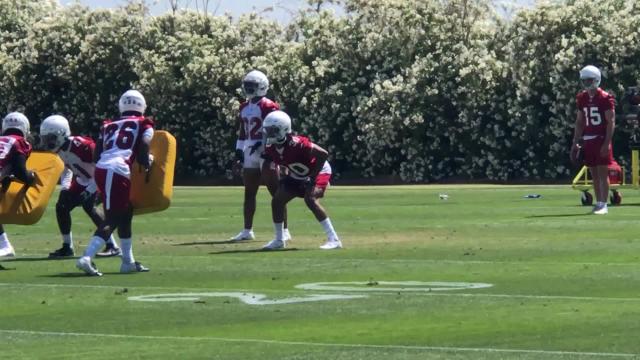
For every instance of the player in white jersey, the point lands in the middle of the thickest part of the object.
(122, 141)
(78, 186)
(250, 146)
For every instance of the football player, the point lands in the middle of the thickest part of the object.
(78, 186)
(594, 126)
(122, 141)
(308, 177)
(250, 146)
(14, 151)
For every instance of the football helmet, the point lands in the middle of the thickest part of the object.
(132, 100)
(276, 126)
(590, 77)
(255, 84)
(54, 131)
(16, 120)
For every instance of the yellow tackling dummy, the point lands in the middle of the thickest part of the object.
(24, 205)
(152, 191)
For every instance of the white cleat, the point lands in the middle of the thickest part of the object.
(332, 244)
(244, 236)
(602, 210)
(287, 235)
(85, 264)
(275, 245)
(126, 268)
(7, 251)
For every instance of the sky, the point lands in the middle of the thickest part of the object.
(280, 10)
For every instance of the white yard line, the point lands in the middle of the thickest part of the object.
(389, 293)
(318, 344)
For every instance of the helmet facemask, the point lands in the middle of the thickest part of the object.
(276, 135)
(52, 141)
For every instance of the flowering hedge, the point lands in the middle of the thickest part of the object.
(426, 90)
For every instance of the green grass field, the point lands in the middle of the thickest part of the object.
(565, 285)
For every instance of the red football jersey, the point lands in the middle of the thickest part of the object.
(296, 156)
(120, 141)
(78, 160)
(593, 109)
(252, 115)
(10, 145)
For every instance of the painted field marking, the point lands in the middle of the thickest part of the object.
(319, 344)
(247, 298)
(453, 294)
(397, 286)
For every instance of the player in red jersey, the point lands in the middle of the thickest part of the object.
(122, 141)
(595, 123)
(249, 149)
(78, 186)
(308, 176)
(14, 151)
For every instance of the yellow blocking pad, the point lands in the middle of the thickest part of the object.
(152, 192)
(24, 205)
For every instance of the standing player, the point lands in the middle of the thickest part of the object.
(249, 149)
(595, 122)
(121, 142)
(78, 187)
(14, 151)
(309, 174)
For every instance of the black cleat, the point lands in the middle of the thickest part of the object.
(63, 252)
(133, 267)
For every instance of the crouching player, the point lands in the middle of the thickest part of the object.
(308, 176)
(14, 151)
(121, 142)
(78, 187)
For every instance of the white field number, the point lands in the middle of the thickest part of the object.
(371, 286)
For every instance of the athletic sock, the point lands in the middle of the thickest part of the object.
(4, 241)
(95, 244)
(328, 228)
(279, 230)
(127, 250)
(67, 240)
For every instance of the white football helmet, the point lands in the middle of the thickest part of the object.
(590, 77)
(276, 126)
(16, 120)
(255, 84)
(54, 131)
(132, 100)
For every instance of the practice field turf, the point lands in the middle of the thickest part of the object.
(485, 274)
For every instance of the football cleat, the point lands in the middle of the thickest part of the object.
(601, 210)
(64, 251)
(275, 245)
(132, 267)
(332, 244)
(243, 236)
(287, 235)
(85, 264)
(7, 251)
(110, 251)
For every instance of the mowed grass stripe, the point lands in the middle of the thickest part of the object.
(303, 343)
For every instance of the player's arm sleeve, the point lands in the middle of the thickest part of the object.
(143, 150)
(241, 134)
(19, 165)
(65, 179)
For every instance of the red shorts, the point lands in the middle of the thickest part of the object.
(591, 151)
(114, 190)
(298, 187)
